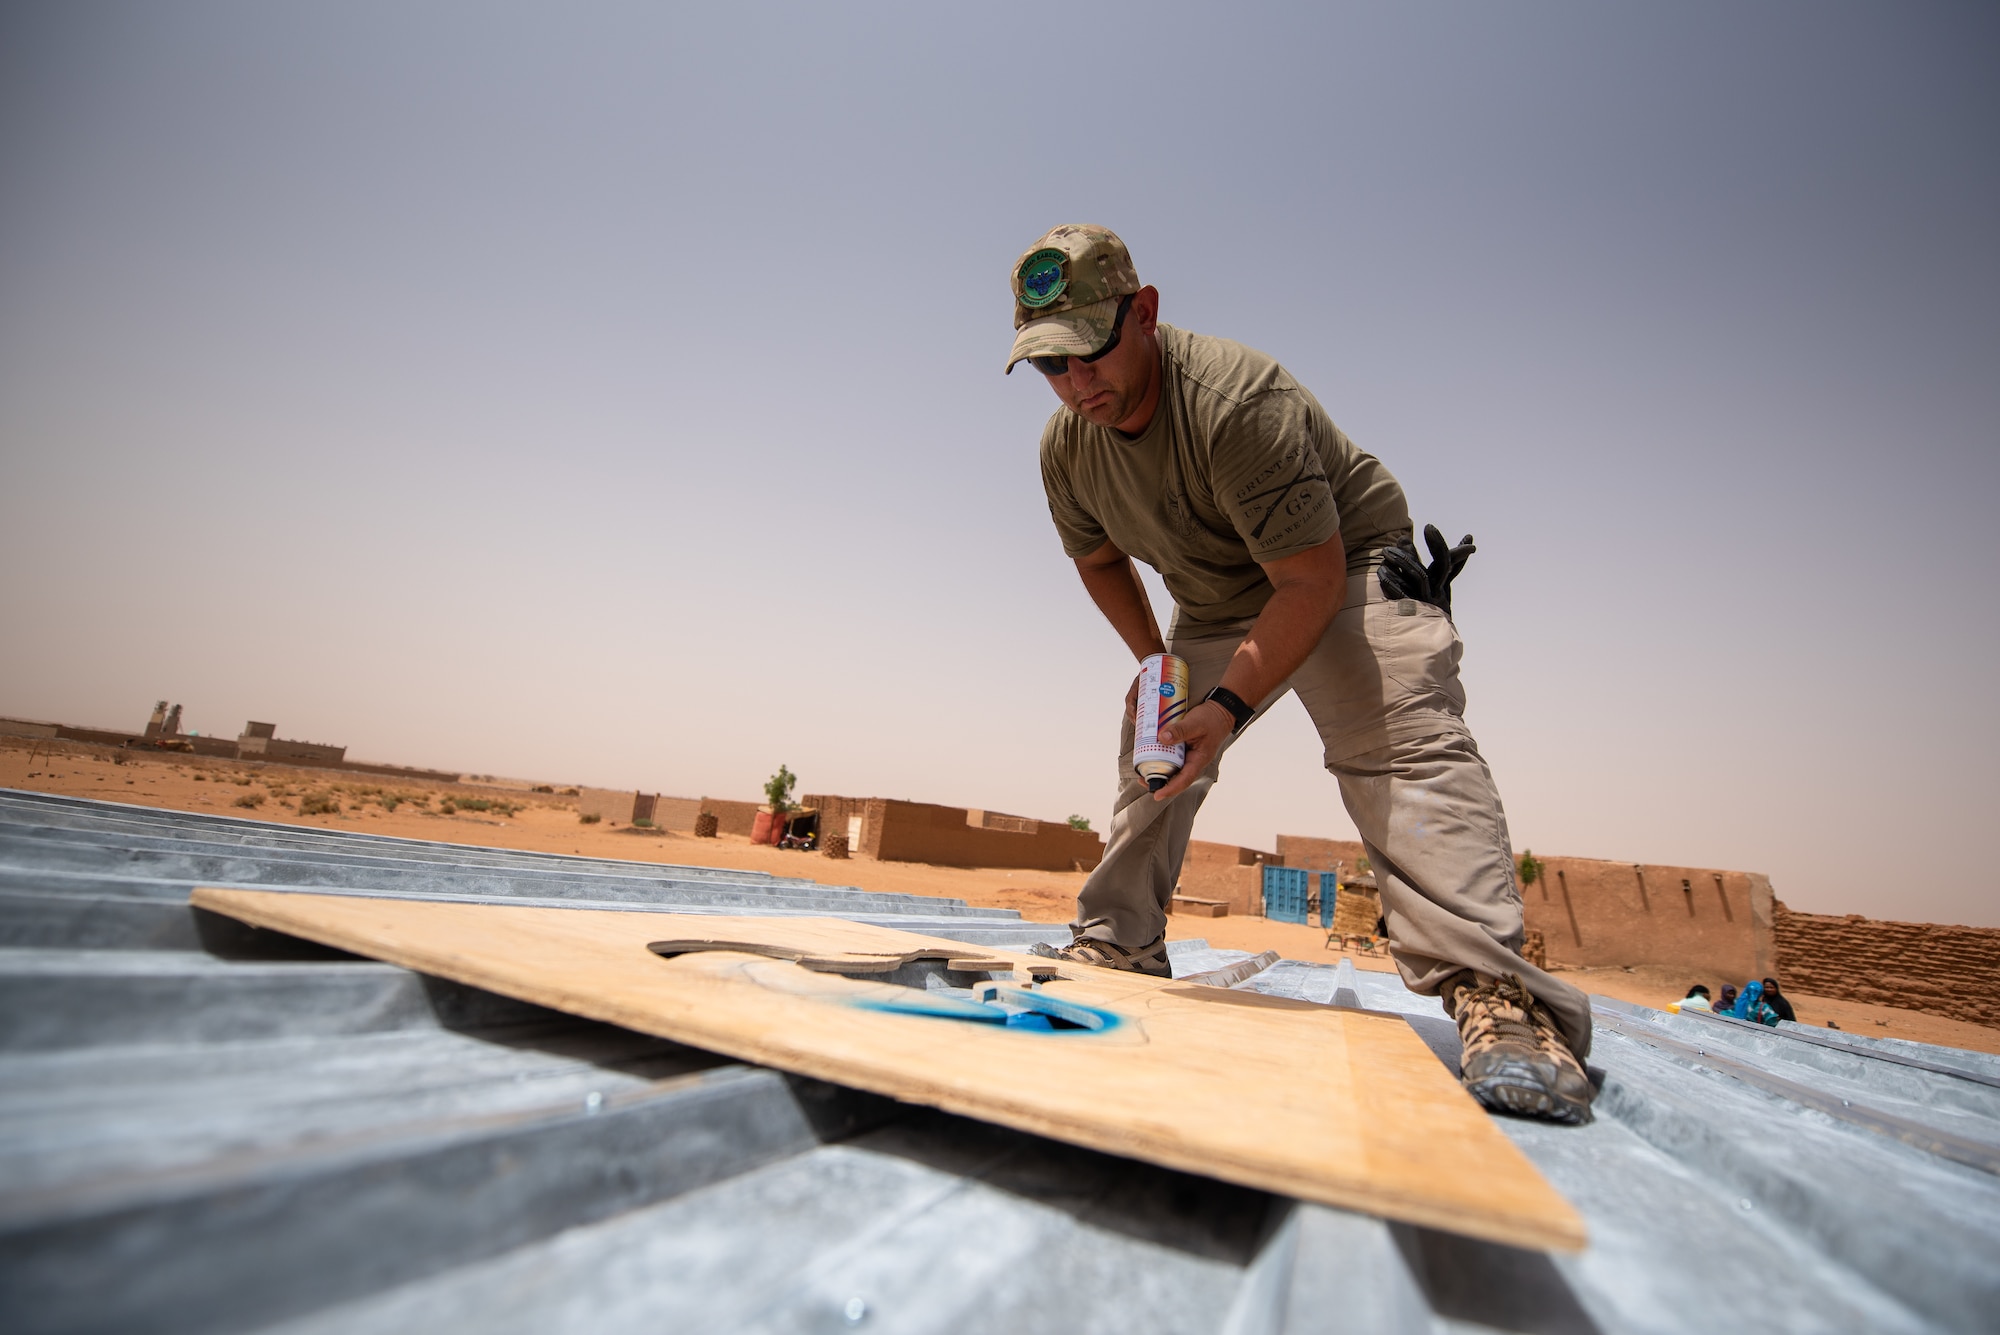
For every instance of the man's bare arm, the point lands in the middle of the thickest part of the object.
(1307, 590)
(1113, 584)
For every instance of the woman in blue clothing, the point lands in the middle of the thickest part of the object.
(1750, 1005)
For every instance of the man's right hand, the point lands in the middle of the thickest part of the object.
(1204, 730)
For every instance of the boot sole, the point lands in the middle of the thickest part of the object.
(1049, 952)
(1518, 1087)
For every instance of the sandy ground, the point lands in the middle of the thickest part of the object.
(548, 823)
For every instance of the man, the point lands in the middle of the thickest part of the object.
(1288, 554)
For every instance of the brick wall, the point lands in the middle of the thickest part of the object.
(731, 817)
(955, 836)
(676, 813)
(101, 736)
(309, 753)
(608, 804)
(1950, 971)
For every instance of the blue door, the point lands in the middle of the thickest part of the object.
(1285, 891)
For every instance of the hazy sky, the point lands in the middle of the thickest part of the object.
(612, 393)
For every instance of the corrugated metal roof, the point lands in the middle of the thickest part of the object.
(203, 1127)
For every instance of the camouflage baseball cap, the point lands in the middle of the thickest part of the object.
(1066, 290)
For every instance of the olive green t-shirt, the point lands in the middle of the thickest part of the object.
(1239, 465)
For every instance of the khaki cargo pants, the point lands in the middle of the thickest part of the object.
(1382, 688)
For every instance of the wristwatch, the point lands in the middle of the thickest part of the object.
(1232, 702)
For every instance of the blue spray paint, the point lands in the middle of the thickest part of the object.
(1029, 1012)
(939, 1008)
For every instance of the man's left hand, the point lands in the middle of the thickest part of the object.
(1203, 730)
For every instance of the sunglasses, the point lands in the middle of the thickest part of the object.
(1053, 366)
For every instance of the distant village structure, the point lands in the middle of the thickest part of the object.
(885, 829)
(1580, 912)
(261, 739)
(257, 742)
(897, 831)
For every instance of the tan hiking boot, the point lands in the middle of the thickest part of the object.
(1148, 959)
(1515, 1059)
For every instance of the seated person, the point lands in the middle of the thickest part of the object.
(1727, 1004)
(1778, 1002)
(1750, 1005)
(1696, 1000)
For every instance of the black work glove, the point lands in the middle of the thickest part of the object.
(1403, 576)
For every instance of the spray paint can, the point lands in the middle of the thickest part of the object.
(1163, 699)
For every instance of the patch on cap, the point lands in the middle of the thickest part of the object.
(1042, 279)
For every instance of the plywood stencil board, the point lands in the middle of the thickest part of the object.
(1342, 1107)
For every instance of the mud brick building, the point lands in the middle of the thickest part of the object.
(1228, 873)
(895, 831)
(262, 740)
(1235, 875)
(1715, 924)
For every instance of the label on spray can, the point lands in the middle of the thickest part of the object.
(1163, 699)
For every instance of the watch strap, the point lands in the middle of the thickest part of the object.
(1232, 702)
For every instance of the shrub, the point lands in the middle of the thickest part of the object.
(495, 804)
(249, 800)
(643, 822)
(571, 792)
(201, 778)
(1079, 823)
(1529, 866)
(778, 789)
(590, 818)
(544, 788)
(319, 804)
(241, 781)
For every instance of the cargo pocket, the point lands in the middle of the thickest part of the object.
(1419, 650)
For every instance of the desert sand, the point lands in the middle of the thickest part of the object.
(548, 823)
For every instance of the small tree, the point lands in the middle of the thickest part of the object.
(778, 790)
(1529, 866)
(1079, 823)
